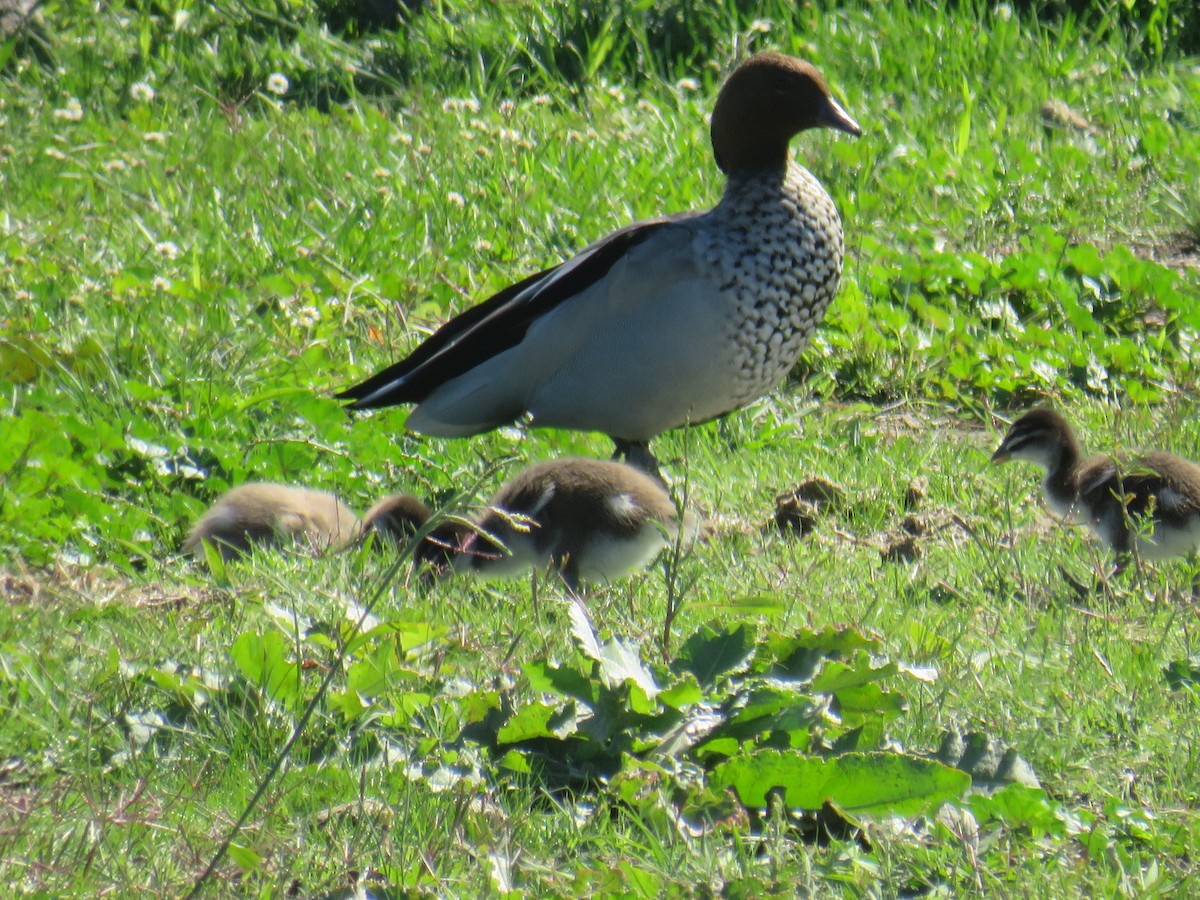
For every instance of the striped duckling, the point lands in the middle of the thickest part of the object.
(271, 515)
(1151, 504)
(662, 323)
(593, 520)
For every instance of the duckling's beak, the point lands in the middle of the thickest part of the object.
(1001, 455)
(834, 116)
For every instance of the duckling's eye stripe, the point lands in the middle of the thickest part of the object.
(1021, 440)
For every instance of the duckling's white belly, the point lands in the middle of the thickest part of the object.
(1167, 541)
(607, 558)
(519, 555)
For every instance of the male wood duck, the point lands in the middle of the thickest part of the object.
(665, 322)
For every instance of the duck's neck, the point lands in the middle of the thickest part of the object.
(761, 177)
(1061, 486)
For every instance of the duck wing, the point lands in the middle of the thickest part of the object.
(498, 323)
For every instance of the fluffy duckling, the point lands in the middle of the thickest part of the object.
(1152, 503)
(593, 520)
(273, 514)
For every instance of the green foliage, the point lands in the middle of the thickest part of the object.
(214, 215)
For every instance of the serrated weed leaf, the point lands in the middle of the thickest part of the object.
(863, 784)
(714, 651)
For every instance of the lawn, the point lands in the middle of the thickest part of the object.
(214, 216)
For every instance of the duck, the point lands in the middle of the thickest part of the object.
(268, 514)
(1150, 504)
(666, 322)
(591, 520)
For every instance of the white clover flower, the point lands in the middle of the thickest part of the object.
(687, 84)
(161, 284)
(307, 316)
(540, 100)
(277, 84)
(483, 246)
(404, 138)
(507, 108)
(456, 199)
(73, 111)
(454, 103)
(141, 92)
(115, 165)
(154, 137)
(169, 249)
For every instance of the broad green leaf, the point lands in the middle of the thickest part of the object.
(1019, 806)
(799, 656)
(538, 720)
(863, 702)
(715, 650)
(562, 680)
(838, 676)
(682, 694)
(260, 657)
(862, 784)
(620, 662)
(1182, 673)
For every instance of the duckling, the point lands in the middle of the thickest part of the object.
(1151, 504)
(593, 520)
(273, 514)
(397, 518)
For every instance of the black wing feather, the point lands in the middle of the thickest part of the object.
(498, 323)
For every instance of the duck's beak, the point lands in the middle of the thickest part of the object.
(1001, 455)
(834, 116)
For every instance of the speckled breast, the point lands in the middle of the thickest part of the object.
(776, 251)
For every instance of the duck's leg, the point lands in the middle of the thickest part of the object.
(638, 455)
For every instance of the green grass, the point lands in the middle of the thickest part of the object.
(185, 279)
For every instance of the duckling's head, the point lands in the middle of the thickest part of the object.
(1041, 436)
